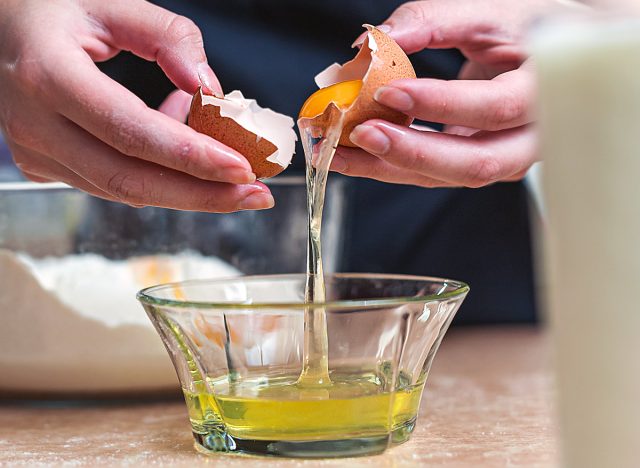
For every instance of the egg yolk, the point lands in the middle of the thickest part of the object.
(341, 94)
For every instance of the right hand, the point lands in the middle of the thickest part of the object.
(488, 113)
(66, 121)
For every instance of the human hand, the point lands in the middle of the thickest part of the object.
(489, 135)
(66, 121)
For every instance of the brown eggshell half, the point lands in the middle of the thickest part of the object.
(206, 119)
(387, 63)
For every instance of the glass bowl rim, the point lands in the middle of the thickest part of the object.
(145, 295)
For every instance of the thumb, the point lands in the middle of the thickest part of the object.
(153, 33)
(431, 24)
(471, 26)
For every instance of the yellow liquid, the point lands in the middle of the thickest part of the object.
(355, 405)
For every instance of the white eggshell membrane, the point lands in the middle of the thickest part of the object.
(264, 123)
(356, 69)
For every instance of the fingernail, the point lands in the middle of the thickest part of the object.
(370, 139)
(258, 200)
(339, 163)
(359, 40)
(209, 81)
(237, 176)
(228, 159)
(395, 98)
(228, 166)
(388, 128)
(385, 28)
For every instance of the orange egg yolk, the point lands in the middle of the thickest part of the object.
(341, 94)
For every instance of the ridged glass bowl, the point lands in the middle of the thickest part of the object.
(237, 346)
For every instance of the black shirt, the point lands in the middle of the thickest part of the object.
(271, 50)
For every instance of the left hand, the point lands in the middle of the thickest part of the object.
(489, 135)
(66, 121)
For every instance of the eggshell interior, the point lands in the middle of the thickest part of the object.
(266, 138)
(379, 61)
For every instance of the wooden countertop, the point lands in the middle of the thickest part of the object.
(487, 403)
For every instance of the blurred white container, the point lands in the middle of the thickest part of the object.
(590, 117)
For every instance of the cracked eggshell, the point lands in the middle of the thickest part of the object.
(266, 138)
(379, 61)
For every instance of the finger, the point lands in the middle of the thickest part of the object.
(476, 71)
(468, 26)
(517, 176)
(153, 33)
(119, 118)
(134, 181)
(39, 168)
(475, 161)
(459, 130)
(504, 102)
(35, 178)
(140, 183)
(357, 163)
(176, 105)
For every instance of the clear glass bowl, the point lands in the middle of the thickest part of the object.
(237, 345)
(71, 265)
(54, 220)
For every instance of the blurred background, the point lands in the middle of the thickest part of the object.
(271, 50)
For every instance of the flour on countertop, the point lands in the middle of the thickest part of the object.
(105, 290)
(73, 324)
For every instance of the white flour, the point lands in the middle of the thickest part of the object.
(105, 290)
(72, 324)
